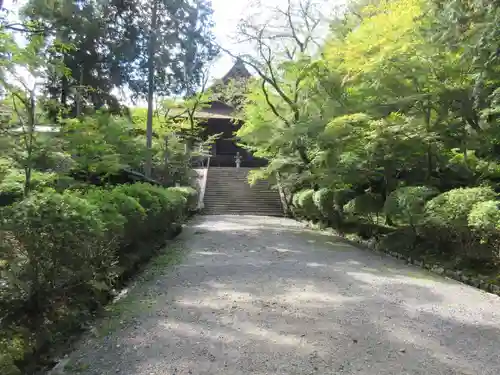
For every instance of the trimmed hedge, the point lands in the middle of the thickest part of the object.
(364, 206)
(406, 204)
(61, 255)
(190, 194)
(303, 204)
(451, 209)
(485, 216)
(484, 221)
(12, 184)
(324, 205)
(324, 200)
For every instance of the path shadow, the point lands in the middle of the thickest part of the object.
(260, 297)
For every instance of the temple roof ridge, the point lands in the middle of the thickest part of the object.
(238, 71)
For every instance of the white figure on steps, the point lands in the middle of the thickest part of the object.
(237, 160)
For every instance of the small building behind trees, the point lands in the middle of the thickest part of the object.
(219, 117)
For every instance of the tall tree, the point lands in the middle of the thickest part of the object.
(285, 45)
(111, 48)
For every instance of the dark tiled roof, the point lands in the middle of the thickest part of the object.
(238, 71)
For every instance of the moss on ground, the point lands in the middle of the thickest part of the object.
(134, 300)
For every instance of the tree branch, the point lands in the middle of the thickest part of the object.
(272, 106)
(301, 45)
(19, 27)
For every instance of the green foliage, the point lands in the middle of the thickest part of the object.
(60, 234)
(190, 194)
(110, 205)
(103, 143)
(342, 196)
(106, 48)
(11, 350)
(452, 208)
(406, 204)
(12, 186)
(163, 207)
(61, 253)
(324, 200)
(305, 203)
(485, 216)
(5, 166)
(364, 205)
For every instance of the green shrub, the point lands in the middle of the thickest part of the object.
(5, 167)
(57, 241)
(113, 207)
(447, 222)
(484, 220)
(61, 253)
(452, 208)
(295, 209)
(10, 192)
(151, 204)
(11, 350)
(173, 205)
(364, 206)
(163, 207)
(12, 185)
(342, 197)
(190, 194)
(307, 206)
(295, 199)
(485, 217)
(178, 205)
(142, 192)
(324, 200)
(132, 211)
(406, 204)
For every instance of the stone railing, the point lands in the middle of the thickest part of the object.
(202, 178)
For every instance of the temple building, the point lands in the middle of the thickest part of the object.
(219, 117)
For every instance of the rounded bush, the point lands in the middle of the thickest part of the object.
(485, 216)
(123, 215)
(406, 204)
(324, 200)
(173, 204)
(342, 196)
(163, 207)
(306, 204)
(453, 207)
(190, 194)
(113, 220)
(142, 192)
(10, 192)
(63, 237)
(295, 199)
(365, 204)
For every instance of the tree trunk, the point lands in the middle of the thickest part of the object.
(151, 88)
(79, 93)
(29, 144)
(429, 142)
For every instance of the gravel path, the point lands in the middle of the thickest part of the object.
(265, 296)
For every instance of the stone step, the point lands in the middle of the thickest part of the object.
(228, 192)
(242, 204)
(252, 213)
(225, 189)
(240, 195)
(242, 207)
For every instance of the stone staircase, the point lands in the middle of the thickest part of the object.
(228, 192)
